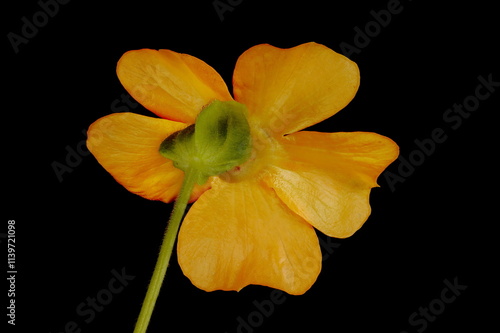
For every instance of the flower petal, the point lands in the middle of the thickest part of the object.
(238, 234)
(327, 177)
(172, 85)
(127, 144)
(287, 90)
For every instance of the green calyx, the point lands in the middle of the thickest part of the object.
(218, 141)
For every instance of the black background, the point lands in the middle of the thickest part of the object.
(438, 224)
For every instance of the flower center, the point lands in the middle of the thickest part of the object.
(218, 142)
(265, 148)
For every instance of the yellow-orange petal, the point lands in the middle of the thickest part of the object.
(126, 145)
(327, 177)
(237, 234)
(173, 85)
(287, 90)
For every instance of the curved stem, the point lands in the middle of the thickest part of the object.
(165, 252)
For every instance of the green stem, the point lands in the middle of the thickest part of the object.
(165, 252)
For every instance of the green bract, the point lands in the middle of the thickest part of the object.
(217, 142)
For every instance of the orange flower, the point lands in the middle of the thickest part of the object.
(254, 224)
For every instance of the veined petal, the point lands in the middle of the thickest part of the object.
(127, 146)
(241, 233)
(172, 85)
(327, 177)
(287, 90)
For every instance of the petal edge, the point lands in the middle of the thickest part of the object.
(287, 90)
(127, 144)
(238, 234)
(328, 177)
(173, 85)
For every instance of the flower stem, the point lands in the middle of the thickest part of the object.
(165, 251)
